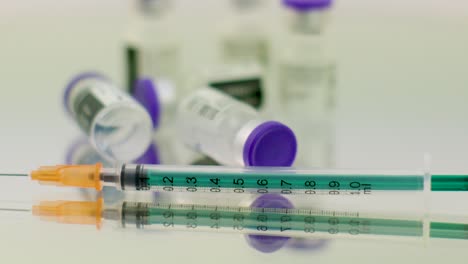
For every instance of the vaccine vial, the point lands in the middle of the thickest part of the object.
(117, 126)
(244, 38)
(152, 50)
(305, 79)
(233, 133)
(304, 70)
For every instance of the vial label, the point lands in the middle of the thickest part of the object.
(86, 109)
(209, 122)
(131, 64)
(89, 99)
(203, 108)
(249, 91)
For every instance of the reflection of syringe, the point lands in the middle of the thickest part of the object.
(217, 179)
(264, 221)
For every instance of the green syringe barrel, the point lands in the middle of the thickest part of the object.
(216, 179)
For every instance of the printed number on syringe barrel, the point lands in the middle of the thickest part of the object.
(250, 183)
(283, 181)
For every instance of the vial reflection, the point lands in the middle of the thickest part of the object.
(270, 244)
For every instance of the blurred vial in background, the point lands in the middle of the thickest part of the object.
(304, 72)
(152, 49)
(231, 132)
(243, 42)
(244, 39)
(304, 75)
(118, 127)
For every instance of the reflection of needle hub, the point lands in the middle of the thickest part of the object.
(71, 212)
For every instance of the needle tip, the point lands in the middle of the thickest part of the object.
(13, 174)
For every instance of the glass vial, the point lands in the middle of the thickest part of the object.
(117, 126)
(233, 133)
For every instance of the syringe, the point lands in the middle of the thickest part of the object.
(313, 223)
(215, 179)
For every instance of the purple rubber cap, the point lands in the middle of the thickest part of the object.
(151, 156)
(144, 91)
(270, 144)
(71, 84)
(269, 244)
(307, 5)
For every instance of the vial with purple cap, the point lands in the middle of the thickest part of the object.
(303, 70)
(233, 133)
(304, 79)
(117, 126)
